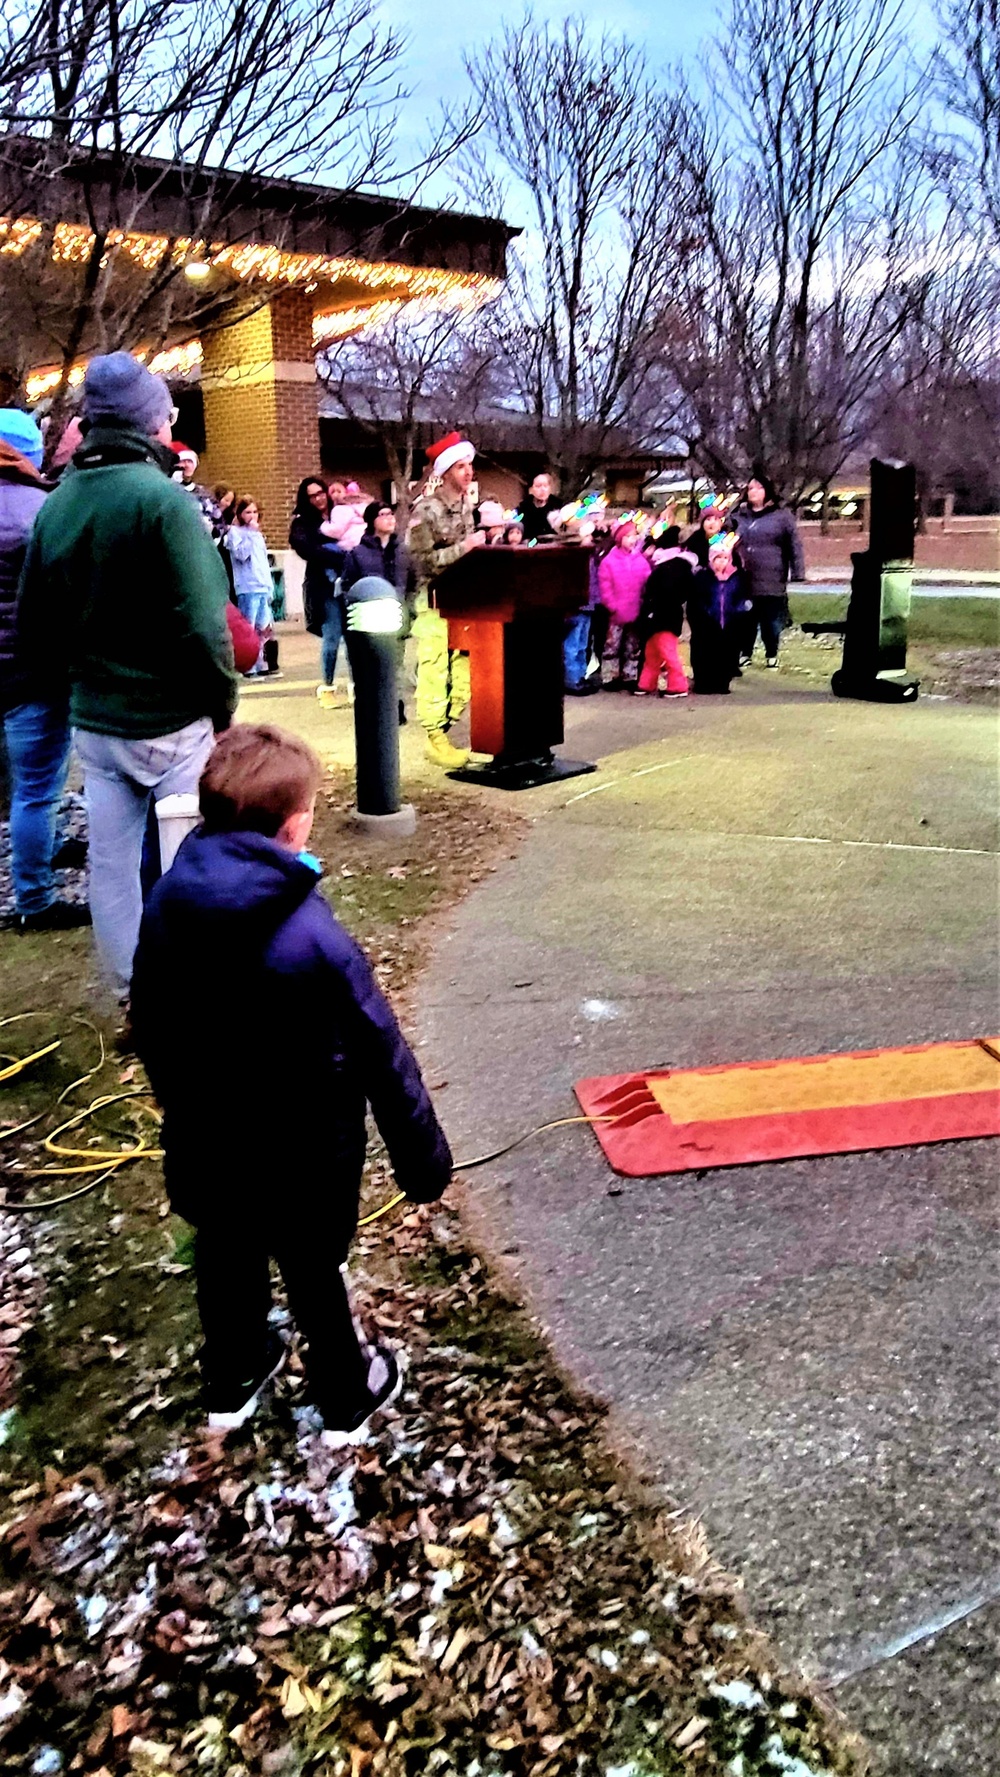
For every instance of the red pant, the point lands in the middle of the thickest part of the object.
(662, 655)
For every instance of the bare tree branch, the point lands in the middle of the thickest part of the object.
(407, 376)
(89, 89)
(813, 255)
(577, 134)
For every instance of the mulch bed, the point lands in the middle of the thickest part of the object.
(478, 1589)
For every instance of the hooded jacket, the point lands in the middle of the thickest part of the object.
(535, 520)
(716, 604)
(665, 592)
(242, 973)
(252, 575)
(124, 594)
(621, 576)
(369, 557)
(770, 550)
(22, 495)
(346, 524)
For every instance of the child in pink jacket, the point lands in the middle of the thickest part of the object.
(621, 578)
(345, 523)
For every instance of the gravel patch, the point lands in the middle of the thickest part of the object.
(70, 885)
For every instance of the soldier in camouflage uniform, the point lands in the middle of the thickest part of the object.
(208, 506)
(442, 530)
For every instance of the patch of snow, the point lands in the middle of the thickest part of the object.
(781, 1760)
(93, 1611)
(47, 1760)
(738, 1694)
(12, 1701)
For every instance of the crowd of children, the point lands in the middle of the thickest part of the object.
(720, 585)
(728, 578)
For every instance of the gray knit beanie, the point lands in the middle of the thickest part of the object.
(118, 387)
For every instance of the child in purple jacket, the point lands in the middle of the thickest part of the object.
(240, 957)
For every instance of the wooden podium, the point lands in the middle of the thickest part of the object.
(506, 608)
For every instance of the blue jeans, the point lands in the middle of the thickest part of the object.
(769, 616)
(333, 635)
(38, 747)
(576, 648)
(119, 777)
(256, 608)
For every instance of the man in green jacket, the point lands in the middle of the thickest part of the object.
(124, 598)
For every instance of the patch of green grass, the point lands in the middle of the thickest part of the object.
(941, 622)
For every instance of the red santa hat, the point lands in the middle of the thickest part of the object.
(184, 450)
(450, 449)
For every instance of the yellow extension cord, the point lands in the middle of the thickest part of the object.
(107, 1161)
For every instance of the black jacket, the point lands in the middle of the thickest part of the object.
(663, 597)
(535, 520)
(264, 1034)
(369, 557)
(324, 561)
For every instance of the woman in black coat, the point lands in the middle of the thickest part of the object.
(324, 559)
(771, 555)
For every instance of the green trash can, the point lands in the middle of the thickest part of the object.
(278, 596)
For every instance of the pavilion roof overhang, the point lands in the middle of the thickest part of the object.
(359, 255)
(299, 218)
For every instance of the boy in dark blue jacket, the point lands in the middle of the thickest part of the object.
(243, 973)
(716, 606)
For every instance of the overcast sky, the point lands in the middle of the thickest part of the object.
(440, 34)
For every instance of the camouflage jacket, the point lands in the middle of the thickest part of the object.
(438, 528)
(209, 508)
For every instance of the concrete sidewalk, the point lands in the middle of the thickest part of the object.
(805, 1354)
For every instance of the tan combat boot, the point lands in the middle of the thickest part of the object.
(441, 752)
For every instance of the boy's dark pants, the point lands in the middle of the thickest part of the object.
(234, 1299)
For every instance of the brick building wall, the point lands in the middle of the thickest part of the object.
(259, 391)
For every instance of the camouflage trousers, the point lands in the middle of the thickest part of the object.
(443, 687)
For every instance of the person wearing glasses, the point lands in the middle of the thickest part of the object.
(380, 552)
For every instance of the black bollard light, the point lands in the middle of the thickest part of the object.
(374, 619)
(876, 626)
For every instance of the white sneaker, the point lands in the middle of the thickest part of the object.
(231, 1408)
(385, 1379)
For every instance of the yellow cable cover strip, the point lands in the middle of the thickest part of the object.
(834, 1082)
